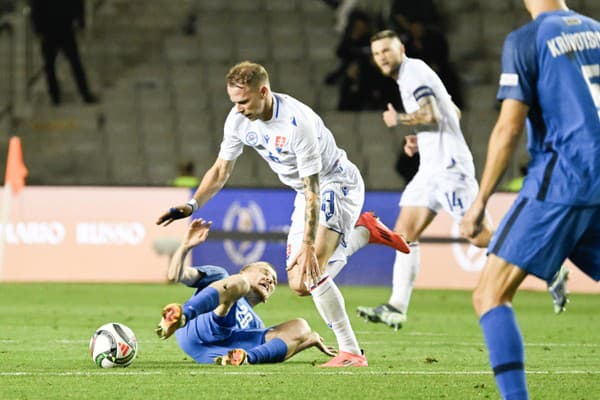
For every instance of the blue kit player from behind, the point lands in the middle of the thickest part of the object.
(218, 324)
(551, 79)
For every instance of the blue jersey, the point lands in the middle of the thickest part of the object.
(208, 336)
(552, 64)
(245, 316)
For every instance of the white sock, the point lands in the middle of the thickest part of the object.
(359, 238)
(406, 268)
(334, 268)
(330, 303)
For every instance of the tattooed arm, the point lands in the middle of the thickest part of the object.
(311, 214)
(306, 260)
(428, 114)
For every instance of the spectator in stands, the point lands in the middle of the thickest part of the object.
(420, 26)
(361, 86)
(343, 9)
(403, 12)
(429, 44)
(7, 6)
(55, 25)
(187, 176)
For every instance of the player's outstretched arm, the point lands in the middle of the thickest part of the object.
(315, 340)
(197, 233)
(213, 180)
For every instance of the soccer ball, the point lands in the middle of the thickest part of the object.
(113, 345)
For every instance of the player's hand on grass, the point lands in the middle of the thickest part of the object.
(197, 232)
(319, 343)
(472, 222)
(174, 213)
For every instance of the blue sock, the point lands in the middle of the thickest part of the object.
(505, 346)
(202, 302)
(271, 352)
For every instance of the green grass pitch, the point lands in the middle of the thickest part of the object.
(439, 354)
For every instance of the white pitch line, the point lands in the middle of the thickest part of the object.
(374, 342)
(390, 332)
(222, 372)
(71, 341)
(80, 373)
(468, 344)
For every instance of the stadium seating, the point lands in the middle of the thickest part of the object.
(164, 99)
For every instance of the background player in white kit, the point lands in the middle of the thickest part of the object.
(446, 176)
(298, 147)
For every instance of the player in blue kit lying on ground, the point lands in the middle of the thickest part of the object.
(218, 324)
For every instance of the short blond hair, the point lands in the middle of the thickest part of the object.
(261, 264)
(247, 73)
(386, 34)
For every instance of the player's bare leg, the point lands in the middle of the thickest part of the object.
(298, 336)
(281, 342)
(492, 300)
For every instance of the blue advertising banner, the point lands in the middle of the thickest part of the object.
(266, 213)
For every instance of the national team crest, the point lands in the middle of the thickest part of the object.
(251, 138)
(280, 142)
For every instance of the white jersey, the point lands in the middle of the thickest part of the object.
(295, 142)
(445, 148)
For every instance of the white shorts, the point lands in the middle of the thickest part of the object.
(452, 191)
(342, 199)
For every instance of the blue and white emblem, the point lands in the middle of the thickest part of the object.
(244, 218)
(251, 138)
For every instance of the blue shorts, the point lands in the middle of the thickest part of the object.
(208, 336)
(538, 236)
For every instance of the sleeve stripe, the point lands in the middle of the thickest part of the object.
(509, 79)
(422, 91)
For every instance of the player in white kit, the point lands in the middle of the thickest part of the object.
(446, 175)
(300, 149)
